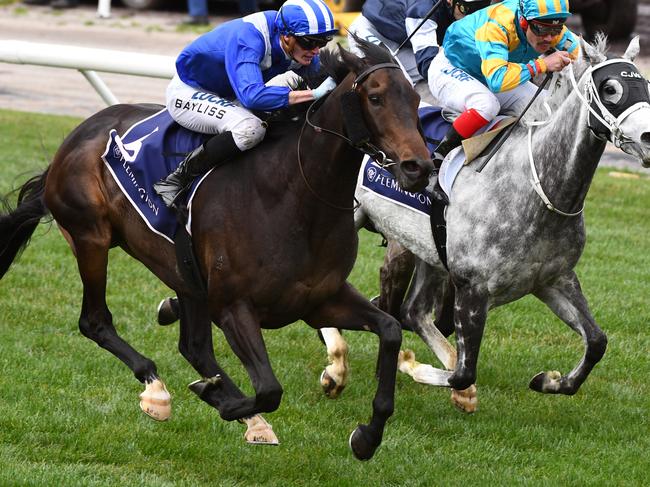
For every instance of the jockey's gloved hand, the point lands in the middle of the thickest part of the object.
(324, 88)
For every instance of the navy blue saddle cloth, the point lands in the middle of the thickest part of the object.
(147, 152)
(382, 182)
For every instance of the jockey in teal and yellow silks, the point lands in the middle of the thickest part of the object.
(490, 58)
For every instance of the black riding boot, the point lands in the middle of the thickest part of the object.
(451, 140)
(218, 149)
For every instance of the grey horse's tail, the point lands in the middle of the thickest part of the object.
(18, 225)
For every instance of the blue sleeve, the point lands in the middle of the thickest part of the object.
(243, 57)
(425, 41)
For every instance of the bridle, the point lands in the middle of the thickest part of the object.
(589, 99)
(359, 139)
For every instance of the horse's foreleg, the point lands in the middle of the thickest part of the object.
(470, 312)
(335, 376)
(216, 388)
(351, 311)
(96, 323)
(429, 289)
(566, 300)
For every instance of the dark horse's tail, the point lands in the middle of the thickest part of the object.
(17, 226)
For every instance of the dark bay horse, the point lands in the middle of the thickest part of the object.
(274, 238)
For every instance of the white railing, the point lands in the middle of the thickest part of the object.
(88, 61)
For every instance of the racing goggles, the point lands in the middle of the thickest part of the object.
(312, 42)
(470, 8)
(542, 29)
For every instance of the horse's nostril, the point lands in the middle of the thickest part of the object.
(411, 166)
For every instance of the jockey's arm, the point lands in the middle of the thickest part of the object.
(242, 61)
(300, 96)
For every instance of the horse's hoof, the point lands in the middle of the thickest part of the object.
(465, 400)
(360, 444)
(546, 382)
(155, 401)
(329, 385)
(168, 311)
(259, 432)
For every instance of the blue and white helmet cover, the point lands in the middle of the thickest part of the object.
(305, 18)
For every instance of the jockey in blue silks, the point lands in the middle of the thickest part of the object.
(392, 21)
(490, 58)
(221, 78)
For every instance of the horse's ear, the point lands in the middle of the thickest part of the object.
(590, 53)
(351, 60)
(633, 49)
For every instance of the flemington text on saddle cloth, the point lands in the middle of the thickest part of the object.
(147, 152)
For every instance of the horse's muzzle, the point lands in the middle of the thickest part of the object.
(413, 174)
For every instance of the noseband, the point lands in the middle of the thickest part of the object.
(355, 126)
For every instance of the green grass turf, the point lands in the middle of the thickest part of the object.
(69, 410)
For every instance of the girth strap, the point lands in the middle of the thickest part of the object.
(439, 230)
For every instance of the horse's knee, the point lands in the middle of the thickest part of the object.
(248, 132)
(268, 399)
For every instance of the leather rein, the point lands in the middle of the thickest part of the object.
(362, 143)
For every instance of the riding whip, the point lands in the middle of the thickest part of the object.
(485, 159)
(426, 17)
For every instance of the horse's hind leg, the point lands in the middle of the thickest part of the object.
(429, 288)
(566, 300)
(244, 335)
(195, 344)
(96, 321)
(335, 376)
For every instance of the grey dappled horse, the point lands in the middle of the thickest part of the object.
(507, 238)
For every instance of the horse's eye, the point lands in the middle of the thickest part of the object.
(375, 99)
(612, 91)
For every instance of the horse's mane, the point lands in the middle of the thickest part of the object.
(560, 86)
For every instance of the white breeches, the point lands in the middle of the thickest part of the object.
(454, 89)
(208, 113)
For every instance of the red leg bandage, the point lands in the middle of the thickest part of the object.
(469, 122)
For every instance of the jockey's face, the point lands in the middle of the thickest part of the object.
(297, 52)
(541, 43)
(457, 13)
